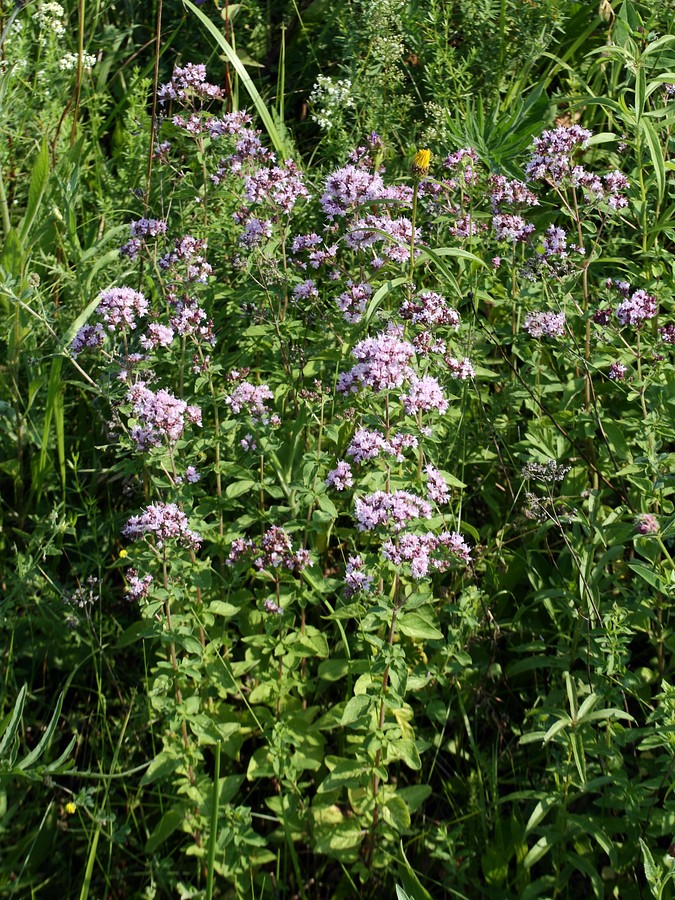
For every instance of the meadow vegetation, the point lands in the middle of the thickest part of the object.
(337, 422)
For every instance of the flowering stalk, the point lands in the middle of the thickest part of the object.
(419, 168)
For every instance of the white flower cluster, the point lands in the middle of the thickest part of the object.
(328, 98)
(49, 19)
(69, 61)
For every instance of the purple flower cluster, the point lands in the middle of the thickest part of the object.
(511, 193)
(667, 333)
(350, 187)
(278, 186)
(647, 523)
(417, 550)
(430, 309)
(187, 84)
(161, 415)
(189, 251)
(166, 522)
(617, 371)
(394, 234)
(394, 510)
(341, 477)
(352, 302)
(460, 369)
(545, 324)
(437, 486)
(368, 444)
(636, 308)
(140, 229)
(157, 335)
(120, 307)
(251, 398)
(275, 551)
(464, 160)
(552, 157)
(87, 338)
(424, 395)
(356, 580)
(306, 290)
(384, 363)
(511, 228)
(189, 319)
(137, 588)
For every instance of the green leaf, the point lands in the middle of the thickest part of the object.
(166, 826)
(656, 155)
(38, 182)
(415, 625)
(46, 738)
(10, 725)
(238, 488)
(396, 814)
(11, 259)
(648, 574)
(408, 876)
(223, 608)
(355, 709)
(344, 774)
(406, 750)
(652, 873)
(163, 764)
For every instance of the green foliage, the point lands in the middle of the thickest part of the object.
(246, 727)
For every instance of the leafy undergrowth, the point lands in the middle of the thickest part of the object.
(337, 494)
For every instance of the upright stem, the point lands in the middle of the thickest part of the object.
(413, 219)
(370, 847)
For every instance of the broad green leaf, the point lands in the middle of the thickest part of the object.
(163, 764)
(396, 814)
(166, 826)
(355, 709)
(648, 573)
(238, 488)
(415, 625)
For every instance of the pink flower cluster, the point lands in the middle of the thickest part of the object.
(166, 522)
(384, 364)
(636, 308)
(423, 552)
(545, 324)
(190, 252)
(120, 308)
(161, 416)
(188, 83)
(251, 398)
(352, 302)
(279, 186)
(356, 580)
(394, 510)
(341, 477)
(424, 395)
(275, 551)
(137, 588)
(368, 444)
(431, 309)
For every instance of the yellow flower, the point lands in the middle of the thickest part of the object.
(420, 163)
(70, 808)
(123, 554)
